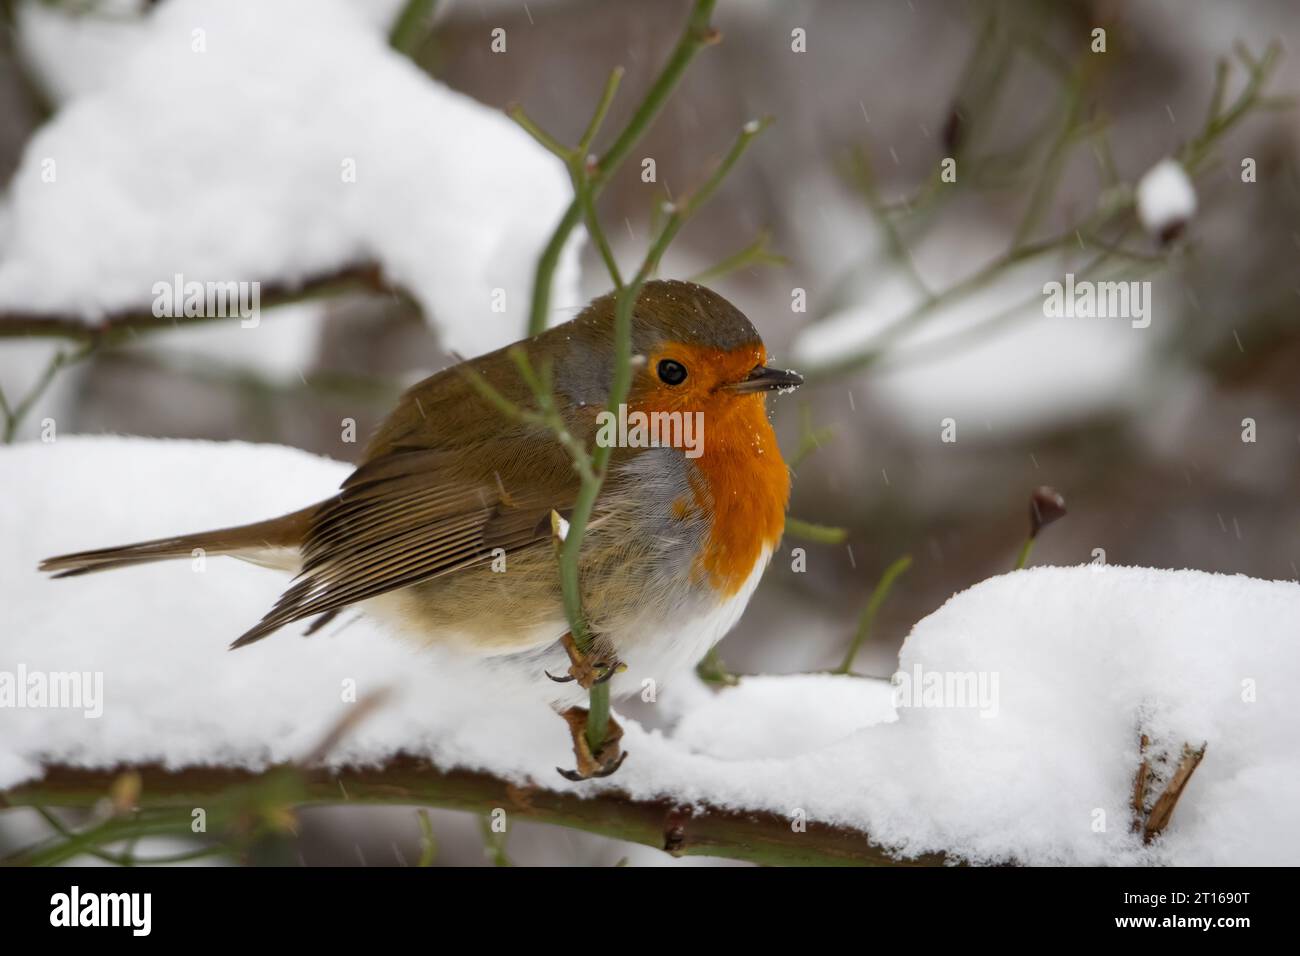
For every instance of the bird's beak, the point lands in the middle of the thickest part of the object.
(764, 379)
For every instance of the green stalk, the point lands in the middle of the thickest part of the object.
(883, 587)
(1023, 558)
(695, 37)
(598, 715)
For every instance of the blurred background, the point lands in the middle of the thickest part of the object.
(940, 395)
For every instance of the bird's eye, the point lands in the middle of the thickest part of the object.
(672, 373)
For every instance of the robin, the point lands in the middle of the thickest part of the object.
(445, 527)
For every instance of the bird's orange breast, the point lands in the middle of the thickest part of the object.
(739, 480)
(748, 487)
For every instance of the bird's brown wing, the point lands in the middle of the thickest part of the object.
(411, 515)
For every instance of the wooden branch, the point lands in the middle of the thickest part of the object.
(115, 326)
(757, 836)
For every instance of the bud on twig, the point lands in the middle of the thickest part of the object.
(1046, 505)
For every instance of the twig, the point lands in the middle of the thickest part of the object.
(622, 381)
(894, 242)
(755, 835)
(878, 596)
(581, 170)
(13, 416)
(1218, 121)
(1116, 211)
(754, 254)
(494, 843)
(695, 37)
(816, 533)
(592, 464)
(116, 326)
(428, 841)
(811, 438)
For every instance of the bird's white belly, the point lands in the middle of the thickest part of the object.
(665, 642)
(669, 635)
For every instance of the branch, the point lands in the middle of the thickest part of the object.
(878, 595)
(755, 835)
(583, 507)
(587, 177)
(119, 325)
(695, 37)
(1115, 211)
(756, 253)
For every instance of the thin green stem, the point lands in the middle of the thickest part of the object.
(754, 254)
(816, 533)
(878, 596)
(695, 37)
(811, 438)
(589, 491)
(1054, 164)
(494, 843)
(1218, 121)
(602, 110)
(88, 842)
(894, 242)
(544, 139)
(587, 199)
(871, 352)
(428, 840)
(14, 416)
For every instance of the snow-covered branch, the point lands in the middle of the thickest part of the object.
(117, 326)
(682, 829)
(1011, 732)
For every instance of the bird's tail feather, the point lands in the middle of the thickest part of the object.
(276, 534)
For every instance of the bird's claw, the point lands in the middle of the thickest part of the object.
(609, 670)
(586, 672)
(575, 776)
(601, 762)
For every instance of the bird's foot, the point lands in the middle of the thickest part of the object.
(582, 669)
(592, 763)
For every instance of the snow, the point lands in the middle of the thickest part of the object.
(1075, 660)
(71, 54)
(1166, 198)
(238, 168)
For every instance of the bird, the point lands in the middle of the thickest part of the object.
(447, 526)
